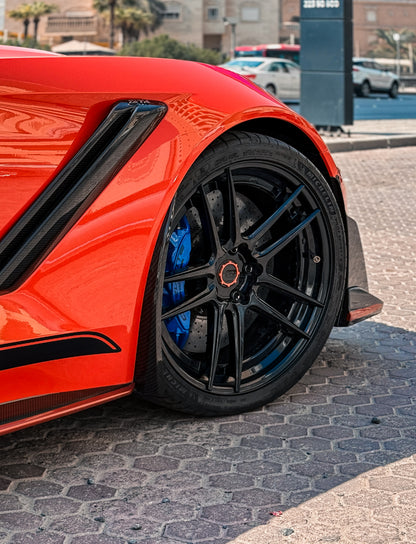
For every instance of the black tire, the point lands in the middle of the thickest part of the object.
(271, 89)
(394, 90)
(261, 287)
(364, 89)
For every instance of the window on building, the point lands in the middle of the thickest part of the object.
(173, 12)
(250, 14)
(371, 16)
(213, 14)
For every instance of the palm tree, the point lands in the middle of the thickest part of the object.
(39, 9)
(157, 8)
(153, 9)
(388, 36)
(22, 13)
(105, 6)
(132, 22)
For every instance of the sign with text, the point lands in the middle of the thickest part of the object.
(326, 62)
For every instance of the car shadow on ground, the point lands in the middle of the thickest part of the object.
(133, 472)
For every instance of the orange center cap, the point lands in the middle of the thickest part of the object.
(229, 273)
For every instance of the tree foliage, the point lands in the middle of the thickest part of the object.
(390, 44)
(22, 13)
(132, 17)
(28, 12)
(165, 47)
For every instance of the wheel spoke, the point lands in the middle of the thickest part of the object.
(279, 244)
(197, 272)
(199, 299)
(270, 221)
(271, 313)
(210, 225)
(236, 333)
(214, 340)
(231, 213)
(281, 286)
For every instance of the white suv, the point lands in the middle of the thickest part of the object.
(368, 77)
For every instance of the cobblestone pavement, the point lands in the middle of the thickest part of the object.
(336, 455)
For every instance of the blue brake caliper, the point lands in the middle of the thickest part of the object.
(179, 252)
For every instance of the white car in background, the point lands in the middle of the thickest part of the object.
(370, 77)
(279, 77)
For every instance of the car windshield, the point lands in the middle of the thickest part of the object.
(252, 63)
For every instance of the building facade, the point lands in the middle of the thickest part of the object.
(219, 24)
(73, 19)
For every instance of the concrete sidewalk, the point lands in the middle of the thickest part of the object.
(372, 135)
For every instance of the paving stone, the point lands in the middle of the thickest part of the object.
(261, 442)
(193, 530)
(75, 524)
(256, 468)
(309, 444)
(167, 511)
(208, 466)
(227, 513)
(156, 463)
(309, 420)
(286, 456)
(112, 509)
(242, 428)
(235, 454)
(19, 520)
(231, 481)
(373, 410)
(102, 461)
(285, 482)
(178, 479)
(91, 492)
(122, 478)
(332, 432)
(97, 539)
(22, 471)
(312, 469)
(286, 431)
(37, 538)
(136, 449)
(358, 445)
(263, 418)
(185, 451)
(56, 505)
(38, 488)
(258, 497)
(336, 454)
(4, 484)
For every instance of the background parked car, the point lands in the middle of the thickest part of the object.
(369, 76)
(280, 77)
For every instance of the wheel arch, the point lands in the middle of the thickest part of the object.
(295, 137)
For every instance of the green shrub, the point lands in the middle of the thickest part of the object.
(165, 47)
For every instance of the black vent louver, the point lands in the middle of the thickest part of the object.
(74, 189)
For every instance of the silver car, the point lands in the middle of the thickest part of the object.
(368, 76)
(279, 77)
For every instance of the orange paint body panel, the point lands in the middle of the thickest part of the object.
(94, 278)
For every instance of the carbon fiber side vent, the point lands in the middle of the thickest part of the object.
(74, 189)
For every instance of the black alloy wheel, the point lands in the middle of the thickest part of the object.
(251, 272)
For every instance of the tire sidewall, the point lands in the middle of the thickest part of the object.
(163, 383)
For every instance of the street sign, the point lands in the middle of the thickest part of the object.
(326, 62)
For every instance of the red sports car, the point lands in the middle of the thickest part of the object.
(166, 227)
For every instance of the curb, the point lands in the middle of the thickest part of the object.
(373, 143)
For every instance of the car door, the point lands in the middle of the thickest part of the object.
(383, 77)
(293, 70)
(376, 76)
(273, 78)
